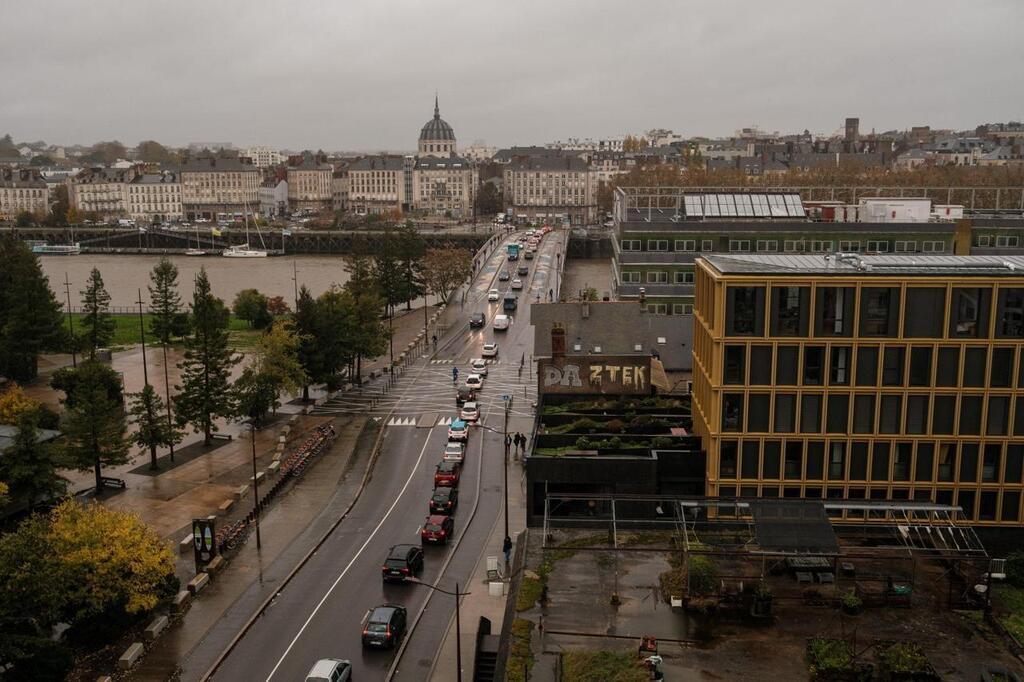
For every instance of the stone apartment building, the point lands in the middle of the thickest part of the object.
(22, 189)
(263, 157)
(309, 186)
(102, 191)
(551, 188)
(214, 188)
(340, 187)
(445, 186)
(154, 197)
(273, 198)
(377, 184)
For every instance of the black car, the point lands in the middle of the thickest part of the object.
(477, 320)
(444, 500)
(503, 276)
(384, 626)
(465, 394)
(403, 562)
(523, 270)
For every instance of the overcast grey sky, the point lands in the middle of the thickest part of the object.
(361, 75)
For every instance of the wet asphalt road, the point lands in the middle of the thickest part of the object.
(319, 614)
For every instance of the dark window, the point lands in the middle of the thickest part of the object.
(969, 314)
(1010, 314)
(867, 366)
(727, 459)
(947, 461)
(944, 497)
(836, 460)
(794, 459)
(922, 494)
(839, 366)
(880, 461)
(744, 314)
(760, 365)
(758, 410)
(732, 412)
(735, 357)
(786, 359)
(858, 461)
(748, 491)
(864, 413)
(926, 309)
(998, 415)
(921, 366)
(770, 491)
(858, 493)
(987, 505)
(974, 366)
(943, 414)
(838, 419)
(751, 457)
(814, 359)
(901, 461)
(947, 369)
(990, 462)
(816, 461)
(890, 414)
(772, 454)
(879, 310)
(968, 462)
(917, 414)
(965, 500)
(1014, 463)
(810, 413)
(1011, 506)
(1001, 372)
(892, 366)
(970, 415)
(791, 491)
(785, 412)
(1018, 416)
(924, 462)
(834, 311)
(789, 311)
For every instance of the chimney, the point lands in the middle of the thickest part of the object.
(557, 340)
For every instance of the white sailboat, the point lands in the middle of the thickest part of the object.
(244, 250)
(196, 251)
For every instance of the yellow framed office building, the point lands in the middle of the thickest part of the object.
(845, 376)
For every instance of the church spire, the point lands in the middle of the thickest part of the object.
(437, 109)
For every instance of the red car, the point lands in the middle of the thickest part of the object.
(438, 529)
(447, 474)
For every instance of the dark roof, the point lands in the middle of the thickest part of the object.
(156, 178)
(8, 433)
(442, 162)
(382, 162)
(437, 128)
(849, 264)
(208, 164)
(101, 175)
(793, 527)
(21, 177)
(550, 163)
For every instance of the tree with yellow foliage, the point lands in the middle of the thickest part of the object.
(96, 568)
(14, 403)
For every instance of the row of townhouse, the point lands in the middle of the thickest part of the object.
(22, 189)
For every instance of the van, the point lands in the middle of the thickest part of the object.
(501, 322)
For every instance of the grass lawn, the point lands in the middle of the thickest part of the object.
(126, 331)
(1013, 599)
(520, 657)
(613, 666)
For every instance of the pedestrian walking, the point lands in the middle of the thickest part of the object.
(507, 548)
(508, 441)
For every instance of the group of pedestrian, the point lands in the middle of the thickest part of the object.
(519, 441)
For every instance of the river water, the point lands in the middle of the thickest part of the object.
(124, 275)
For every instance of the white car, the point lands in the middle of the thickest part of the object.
(330, 670)
(493, 295)
(455, 452)
(501, 322)
(479, 366)
(517, 283)
(474, 381)
(470, 412)
(490, 350)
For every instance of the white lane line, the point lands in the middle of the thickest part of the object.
(369, 539)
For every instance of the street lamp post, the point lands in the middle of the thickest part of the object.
(458, 622)
(255, 485)
(505, 466)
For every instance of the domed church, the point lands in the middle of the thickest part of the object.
(437, 137)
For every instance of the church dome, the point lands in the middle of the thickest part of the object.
(436, 128)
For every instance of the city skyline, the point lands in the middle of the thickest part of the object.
(579, 75)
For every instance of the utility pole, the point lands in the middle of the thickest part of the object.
(145, 381)
(458, 638)
(508, 404)
(295, 281)
(255, 484)
(71, 325)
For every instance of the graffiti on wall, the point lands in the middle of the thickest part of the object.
(613, 375)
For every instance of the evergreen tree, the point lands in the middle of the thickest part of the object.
(337, 330)
(168, 320)
(411, 249)
(205, 392)
(95, 429)
(388, 273)
(99, 326)
(306, 321)
(255, 395)
(29, 467)
(30, 318)
(152, 429)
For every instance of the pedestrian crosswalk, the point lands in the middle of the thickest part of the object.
(444, 421)
(451, 361)
(402, 421)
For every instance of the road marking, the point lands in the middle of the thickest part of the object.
(369, 539)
